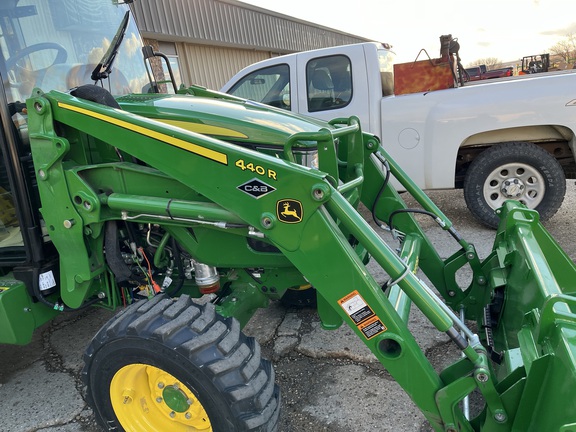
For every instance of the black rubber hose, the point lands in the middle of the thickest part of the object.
(181, 277)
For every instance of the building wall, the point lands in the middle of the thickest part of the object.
(213, 66)
(214, 39)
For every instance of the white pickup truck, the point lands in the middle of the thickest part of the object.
(510, 138)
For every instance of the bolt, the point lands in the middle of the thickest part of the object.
(451, 293)
(38, 106)
(482, 377)
(172, 414)
(189, 401)
(188, 415)
(159, 399)
(42, 174)
(470, 255)
(160, 385)
(101, 295)
(318, 194)
(69, 223)
(176, 386)
(266, 222)
(500, 416)
(127, 400)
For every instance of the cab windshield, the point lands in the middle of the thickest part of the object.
(56, 44)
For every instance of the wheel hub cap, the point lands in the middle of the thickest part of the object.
(513, 188)
(516, 181)
(176, 399)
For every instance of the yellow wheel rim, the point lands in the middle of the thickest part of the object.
(145, 398)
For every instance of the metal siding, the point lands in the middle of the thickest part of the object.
(211, 66)
(232, 23)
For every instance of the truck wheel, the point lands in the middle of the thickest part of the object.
(519, 170)
(174, 365)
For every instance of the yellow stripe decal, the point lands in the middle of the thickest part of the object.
(203, 128)
(176, 142)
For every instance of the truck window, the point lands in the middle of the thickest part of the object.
(329, 83)
(269, 85)
(386, 64)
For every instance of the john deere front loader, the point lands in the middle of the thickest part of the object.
(187, 212)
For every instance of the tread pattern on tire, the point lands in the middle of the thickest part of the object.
(215, 344)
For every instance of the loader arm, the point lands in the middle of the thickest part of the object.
(180, 179)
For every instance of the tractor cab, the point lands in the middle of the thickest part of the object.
(55, 45)
(61, 47)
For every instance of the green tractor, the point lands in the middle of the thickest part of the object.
(190, 211)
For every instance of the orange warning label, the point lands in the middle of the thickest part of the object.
(362, 315)
(372, 327)
(356, 308)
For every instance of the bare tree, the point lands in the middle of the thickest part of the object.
(566, 48)
(490, 62)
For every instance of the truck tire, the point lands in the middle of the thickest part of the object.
(517, 170)
(174, 365)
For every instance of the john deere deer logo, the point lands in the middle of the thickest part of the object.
(289, 211)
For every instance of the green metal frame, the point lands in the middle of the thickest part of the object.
(83, 185)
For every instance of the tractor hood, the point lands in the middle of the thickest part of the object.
(240, 121)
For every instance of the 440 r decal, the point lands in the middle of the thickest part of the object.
(257, 169)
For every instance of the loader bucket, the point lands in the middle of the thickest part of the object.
(533, 323)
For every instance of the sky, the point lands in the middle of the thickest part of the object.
(504, 29)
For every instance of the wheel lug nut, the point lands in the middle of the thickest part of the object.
(160, 385)
(188, 415)
(172, 414)
(159, 399)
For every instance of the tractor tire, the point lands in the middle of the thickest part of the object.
(174, 365)
(520, 171)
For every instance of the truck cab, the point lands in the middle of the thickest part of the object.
(326, 85)
(476, 73)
